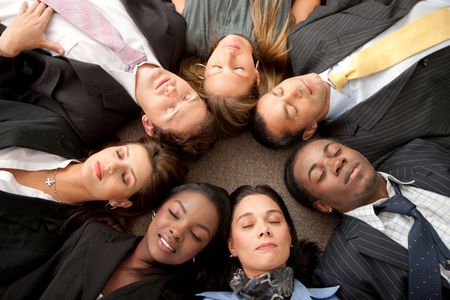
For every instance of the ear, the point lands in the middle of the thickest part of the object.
(231, 247)
(148, 126)
(258, 79)
(322, 207)
(309, 132)
(123, 203)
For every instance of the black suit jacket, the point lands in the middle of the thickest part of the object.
(85, 95)
(30, 230)
(83, 266)
(362, 260)
(413, 105)
(333, 31)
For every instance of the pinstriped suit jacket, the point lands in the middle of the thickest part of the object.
(365, 262)
(416, 104)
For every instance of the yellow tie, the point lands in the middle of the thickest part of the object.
(419, 35)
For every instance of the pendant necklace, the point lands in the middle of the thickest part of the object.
(51, 182)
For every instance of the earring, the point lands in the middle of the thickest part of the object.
(201, 66)
(292, 246)
(231, 256)
(109, 206)
(193, 260)
(330, 210)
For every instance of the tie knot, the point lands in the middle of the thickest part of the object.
(398, 203)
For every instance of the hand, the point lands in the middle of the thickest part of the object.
(27, 31)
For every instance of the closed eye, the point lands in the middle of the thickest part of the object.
(120, 154)
(337, 153)
(196, 237)
(322, 176)
(125, 179)
(173, 214)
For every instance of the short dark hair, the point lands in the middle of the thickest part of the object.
(297, 190)
(258, 128)
(303, 256)
(193, 144)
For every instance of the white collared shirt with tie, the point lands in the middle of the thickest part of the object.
(434, 207)
(358, 90)
(80, 46)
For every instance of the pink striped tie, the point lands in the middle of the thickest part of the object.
(87, 18)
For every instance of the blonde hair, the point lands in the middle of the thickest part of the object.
(233, 113)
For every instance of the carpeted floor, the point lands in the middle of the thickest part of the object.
(241, 160)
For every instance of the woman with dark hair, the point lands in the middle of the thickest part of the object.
(97, 262)
(267, 259)
(40, 191)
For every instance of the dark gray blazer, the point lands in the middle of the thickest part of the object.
(416, 104)
(365, 262)
(85, 95)
(82, 267)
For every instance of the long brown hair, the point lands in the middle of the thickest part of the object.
(270, 49)
(168, 171)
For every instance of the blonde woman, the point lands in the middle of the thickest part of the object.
(249, 54)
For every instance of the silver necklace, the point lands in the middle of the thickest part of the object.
(51, 182)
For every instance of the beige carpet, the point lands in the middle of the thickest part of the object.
(241, 160)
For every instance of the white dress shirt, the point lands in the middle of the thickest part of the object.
(80, 46)
(31, 160)
(360, 89)
(434, 207)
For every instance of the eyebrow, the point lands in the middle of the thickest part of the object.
(270, 211)
(183, 208)
(132, 171)
(314, 165)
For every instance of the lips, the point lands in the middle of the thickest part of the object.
(265, 246)
(307, 87)
(161, 82)
(98, 170)
(351, 173)
(232, 45)
(165, 245)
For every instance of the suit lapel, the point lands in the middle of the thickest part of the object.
(369, 112)
(374, 243)
(104, 256)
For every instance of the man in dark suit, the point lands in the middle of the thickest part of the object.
(375, 125)
(367, 254)
(90, 98)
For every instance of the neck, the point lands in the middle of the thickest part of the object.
(380, 191)
(140, 80)
(326, 106)
(70, 186)
(141, 254)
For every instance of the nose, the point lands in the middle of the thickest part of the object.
(229, 56)
(265, 231)
(113, 167)
(169, 90)
(336, 164)
(177, 233)
(293, 93)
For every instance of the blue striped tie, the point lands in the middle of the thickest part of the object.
(425, 249)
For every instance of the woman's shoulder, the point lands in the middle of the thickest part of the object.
(219, 296)
(301, 292)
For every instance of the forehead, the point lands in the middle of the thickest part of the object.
(191, 201)
(188, 117)
(275, 115)
(255, 204)
(309, 155)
